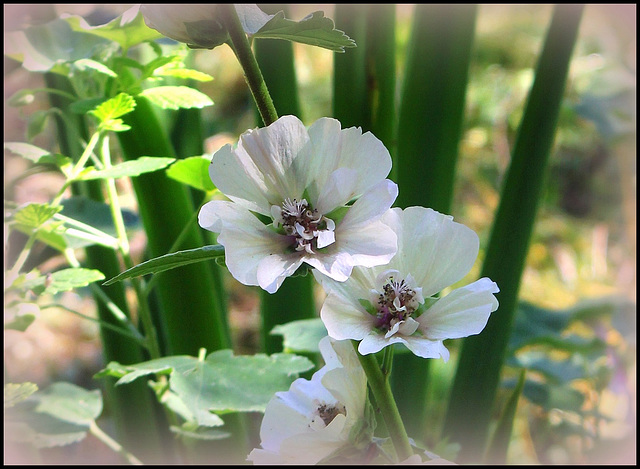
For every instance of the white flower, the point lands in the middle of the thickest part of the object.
(391, 304)
(314, 419)
(199, 24)
(320, 193)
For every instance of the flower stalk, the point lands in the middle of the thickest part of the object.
(242, 49)
(381, 389)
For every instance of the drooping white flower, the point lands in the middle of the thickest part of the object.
(395, 303)
(314, 419)
(199, 24)
(320, 194)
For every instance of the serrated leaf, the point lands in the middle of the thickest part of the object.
(302, 335)
(222, 382)
(200, 433)
(176, 97)
(17, 392)
(34, 215)
(170, 261)
(114, 108)
(128, 29)
(142, 165)
(315, 29)
(36, 123)
(38, 155)
(193, 171)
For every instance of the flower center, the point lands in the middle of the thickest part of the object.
(328, 412)
(396, 300)
(310, 229)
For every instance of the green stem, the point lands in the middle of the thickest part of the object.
(387, 361)
(381, 389)
(114, 445)
(242, 49)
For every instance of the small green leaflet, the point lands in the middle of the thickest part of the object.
(176, 97)
(110, 111)
(170, 261)
(63, 280)
(315, 30)
(302, 335)
(193, 171)
(35, 215)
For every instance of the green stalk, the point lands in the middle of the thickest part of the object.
(350, 99)
(482, 356)
(133, 407)
(386, 404)
(242, 49)
(381, 73)
(294, 299)
(190, 310)
(430, 125)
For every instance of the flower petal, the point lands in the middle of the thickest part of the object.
(274, 150)
(426, 348)
(432, 247)
(333, 148)
(463, 312)
(246, 240)
(338, 190)
(372, 205)
(344, 320)
(273, 269)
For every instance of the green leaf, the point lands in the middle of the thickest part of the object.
(50, 46)
(314, 30)
(200, 433)
(69, 403)
(551, 396)
(38, 155)
(193, 171)
(144, 164)
(14, 393)
(21, 314)
(556, 371)
(64, 280)
(35, 215)
(302, 335)
(88, 64)
(36, 122)
(220, 383)
(184, 73)
(128, 29)
(176, 97)
(114, 108)
(170, 261)
(58, 415)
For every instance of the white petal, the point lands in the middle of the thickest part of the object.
(344, 320)
(274, 268)
(334, 148)
(251, 17)
(235, 174)
(367, 245)
(432, 247)
(337, 265)
(339, 188)
(408, 326)
(375, 341)
(356, 287)
(274, 150)
(426, 348)
(372, 205)
(245, 239)
(463, 312)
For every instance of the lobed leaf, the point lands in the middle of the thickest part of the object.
(315, 30)
(193, 171)
(302, 335)
(17, 392)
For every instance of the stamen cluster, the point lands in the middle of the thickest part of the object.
(396, 303)
(328, 412)
(305, 224)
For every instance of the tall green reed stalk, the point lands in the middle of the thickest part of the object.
(481, 360)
